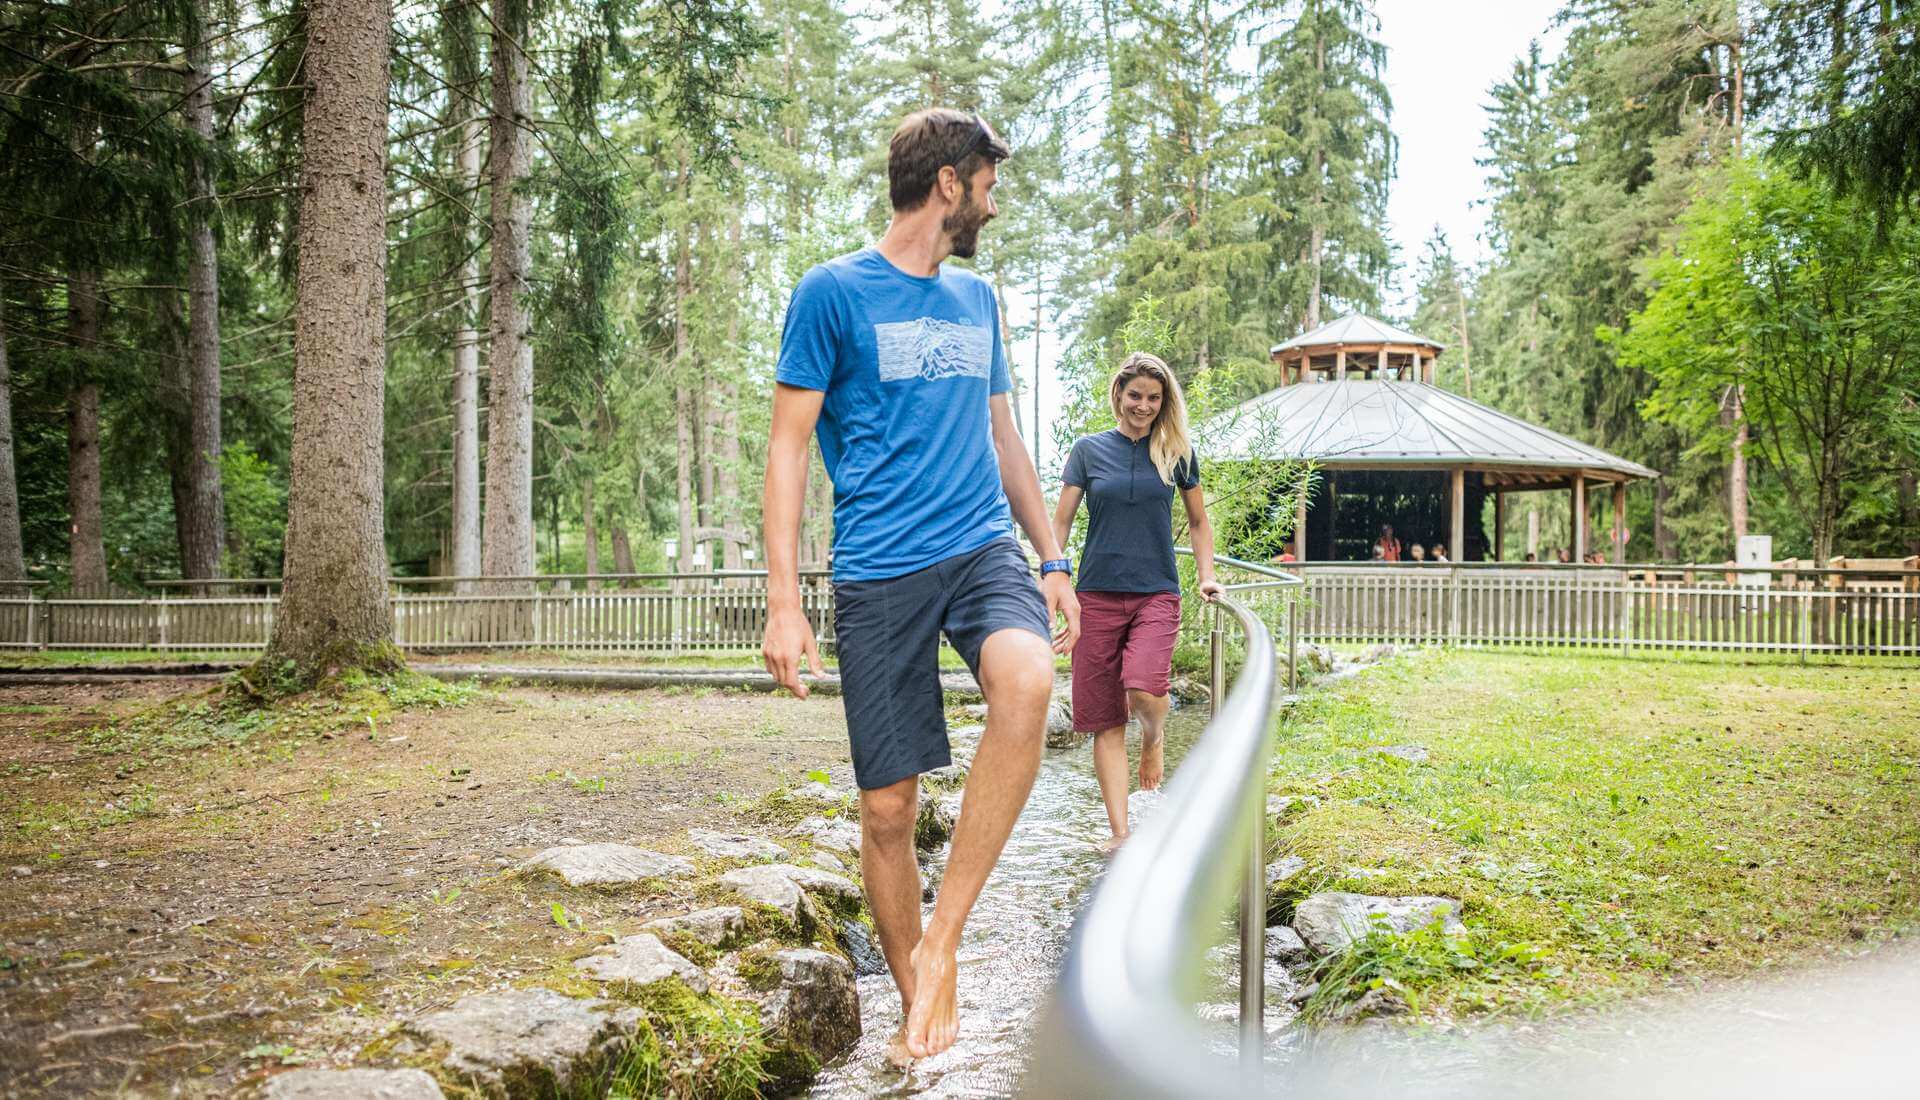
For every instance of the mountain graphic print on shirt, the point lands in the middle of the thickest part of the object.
(929, 349)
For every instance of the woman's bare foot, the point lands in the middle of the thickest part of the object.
(1111, 844)
(898, 1055)
(934, 1020)
(1151, 763)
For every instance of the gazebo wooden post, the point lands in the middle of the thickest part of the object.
(1619, 522)
(1499, 525)
(1579, 535)
(1457, 505)
(1340, 365)
(1380, 370)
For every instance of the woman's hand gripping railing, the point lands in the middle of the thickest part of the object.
(1121, 1022)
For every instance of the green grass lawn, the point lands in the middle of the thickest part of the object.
(1610, 825)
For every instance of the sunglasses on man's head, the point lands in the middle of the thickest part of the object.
(984, 139)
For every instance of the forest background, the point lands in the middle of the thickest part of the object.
(1699, 253)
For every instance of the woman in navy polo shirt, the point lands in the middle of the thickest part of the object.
(1129, 588)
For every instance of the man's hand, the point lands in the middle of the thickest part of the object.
(1064, 606)
(789, 638)
(1211, 590)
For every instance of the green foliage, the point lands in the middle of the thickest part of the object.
(256, 504)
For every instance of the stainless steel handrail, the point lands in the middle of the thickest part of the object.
(1120, 1022)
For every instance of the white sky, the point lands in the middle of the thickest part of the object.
(1442, 56)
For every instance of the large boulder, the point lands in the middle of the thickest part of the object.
(529, 1041)
(641, 959)
(353, 1084)
(607, 864)
(1285, 947)
(735, 845)
(719, 926)
(809, 1010)
(1330, 922)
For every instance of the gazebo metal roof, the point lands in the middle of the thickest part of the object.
(1355, 328)
(1408, 425)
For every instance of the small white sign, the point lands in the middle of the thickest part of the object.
(1755, 551)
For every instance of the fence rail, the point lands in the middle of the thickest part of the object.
(1622, 608)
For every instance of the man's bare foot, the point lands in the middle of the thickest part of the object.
(1111, 844)
(934, 1020)
(1151, 763)
(898, 1056)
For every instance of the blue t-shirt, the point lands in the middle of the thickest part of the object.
(1129, 513)
(907, 364)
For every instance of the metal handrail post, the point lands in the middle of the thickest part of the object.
(1253, 903)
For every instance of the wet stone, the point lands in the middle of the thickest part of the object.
(1373, 1003)
(715, 927)
(858, 941)
(641, 959)
(1285, 947)
(1329, 922)
(607, 864)
(735, 845)
(811, 1015)
(1282, 869)
(537, 1038)
(353, 1084)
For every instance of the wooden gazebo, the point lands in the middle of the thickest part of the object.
(1358, 398)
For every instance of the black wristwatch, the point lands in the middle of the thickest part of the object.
(1057, 565)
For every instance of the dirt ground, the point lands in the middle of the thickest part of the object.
(180, 918)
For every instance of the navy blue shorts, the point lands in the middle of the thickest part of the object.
(887, 634)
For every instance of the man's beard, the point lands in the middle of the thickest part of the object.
(963, 226)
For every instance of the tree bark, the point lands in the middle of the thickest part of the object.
(1732, 416)
(622, 550)
(683, 405)
(333, 608)
(1909, 488)
(507, 542)
(13, 565)
(87, 547)
(466, 384)
(202, 521)
(591, 531)
(1662, 536)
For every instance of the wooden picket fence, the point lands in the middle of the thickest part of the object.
(1628, 609)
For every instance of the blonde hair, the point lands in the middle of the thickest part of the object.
(1168, 443)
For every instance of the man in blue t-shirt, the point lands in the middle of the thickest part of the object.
(897, 362)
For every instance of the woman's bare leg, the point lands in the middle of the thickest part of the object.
(1110, 766)
(1152, 712)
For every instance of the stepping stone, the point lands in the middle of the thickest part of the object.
(810, 1017)
(601, 864)
(537, 1040)
(353, 1084)
(827, 861)
(735, 845)
(1329, 922)
(816, 791)
(715, 927)
(783, 885)
(641, 959)
(836, 833)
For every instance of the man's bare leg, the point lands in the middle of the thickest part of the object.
(1016, 674)
(1152, 712)
(1110, 767)
(892, 879)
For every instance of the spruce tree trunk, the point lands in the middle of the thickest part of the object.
(202, 521)
(622, 550)
(507, 541)
(1731, 415)
(87, 554)
(466, 386)
(683, 405)
(683, 475)
(591, 532)
(333, 608)
(1909, 491)
(13, 566)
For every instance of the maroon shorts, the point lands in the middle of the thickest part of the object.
(1126, 641)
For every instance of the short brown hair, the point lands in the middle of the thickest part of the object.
(927, 141)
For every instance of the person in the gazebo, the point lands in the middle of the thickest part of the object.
(1129, 587)
(1440, 552)
(1416, 552)
(1386, 547)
